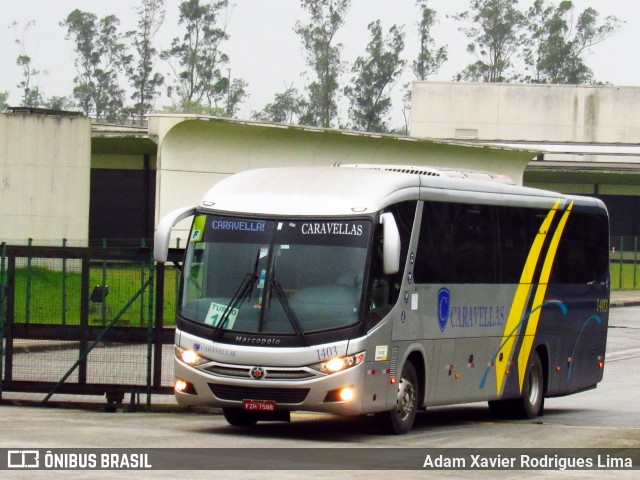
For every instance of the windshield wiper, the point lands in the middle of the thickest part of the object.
(247, 283)
(286, 306)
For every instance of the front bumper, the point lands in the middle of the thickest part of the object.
(317, 393)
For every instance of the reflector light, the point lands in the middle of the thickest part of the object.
(393, 380)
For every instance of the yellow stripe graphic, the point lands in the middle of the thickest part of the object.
(538, 299)
(520, 300)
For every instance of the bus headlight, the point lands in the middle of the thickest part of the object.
(190, 357)
(337, 364)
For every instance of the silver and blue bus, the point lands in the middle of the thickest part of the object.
(369, 289)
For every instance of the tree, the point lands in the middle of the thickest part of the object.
(236, 93)
(59, 103)
(143, 79)
(31, 95)
(430, 58)
(323, 57)
(100, 56)
(287, 107)
(496, 37)
(4, 96)
(199, 62)
(374, 77)
(557, 47)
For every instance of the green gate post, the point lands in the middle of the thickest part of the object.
(150, 331)
(143, 266)
(621, 261)
(64, 285)
(27, 310)
(104, 284)
(3, 307)
(635, 260)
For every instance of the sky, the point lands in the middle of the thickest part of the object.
(265, 51)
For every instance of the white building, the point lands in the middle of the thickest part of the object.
(588, 137)
(45, 164)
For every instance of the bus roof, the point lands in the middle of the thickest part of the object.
(339, 191)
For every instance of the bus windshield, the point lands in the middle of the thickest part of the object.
(276, 277)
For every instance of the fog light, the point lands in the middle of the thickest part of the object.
(182, 386)
(346, 394)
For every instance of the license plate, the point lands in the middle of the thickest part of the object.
(259, 405)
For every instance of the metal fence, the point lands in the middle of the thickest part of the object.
(94, 320)
(625, 263)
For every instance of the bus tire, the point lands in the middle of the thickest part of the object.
(531, 404)
(400, 419)
(239, 417)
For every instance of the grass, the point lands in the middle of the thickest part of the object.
(627, 279)
(47, 296)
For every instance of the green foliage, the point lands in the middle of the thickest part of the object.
(100, 56)
(287, 107)
(195, 108)
(59, 103)
(323, 57)
(143, 79)
(197, 61)
(430, 58)
(236, 93)
(556, 49)
(31, 95)
(374, 77)
(4, 96)
(496, 36)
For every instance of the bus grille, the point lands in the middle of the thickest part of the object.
(272, 374)
(278, 395)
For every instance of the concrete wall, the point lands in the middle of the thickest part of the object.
(196, 152)
(555, 113)
(45, 166)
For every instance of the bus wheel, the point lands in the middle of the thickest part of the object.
(239, 417)
(532, 401)
(400, 419)
(531, 404)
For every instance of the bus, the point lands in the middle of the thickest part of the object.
(384, 290)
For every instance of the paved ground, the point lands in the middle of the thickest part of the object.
(625, 298)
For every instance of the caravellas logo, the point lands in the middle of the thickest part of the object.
(444, 302)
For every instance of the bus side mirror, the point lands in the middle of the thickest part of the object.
(163, 232)
(391, 245)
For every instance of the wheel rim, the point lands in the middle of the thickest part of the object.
(534, 385)
(406, 399)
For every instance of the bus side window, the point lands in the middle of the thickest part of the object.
(385, 289)
(380, 300)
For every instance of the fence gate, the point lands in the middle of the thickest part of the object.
(86, 321)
